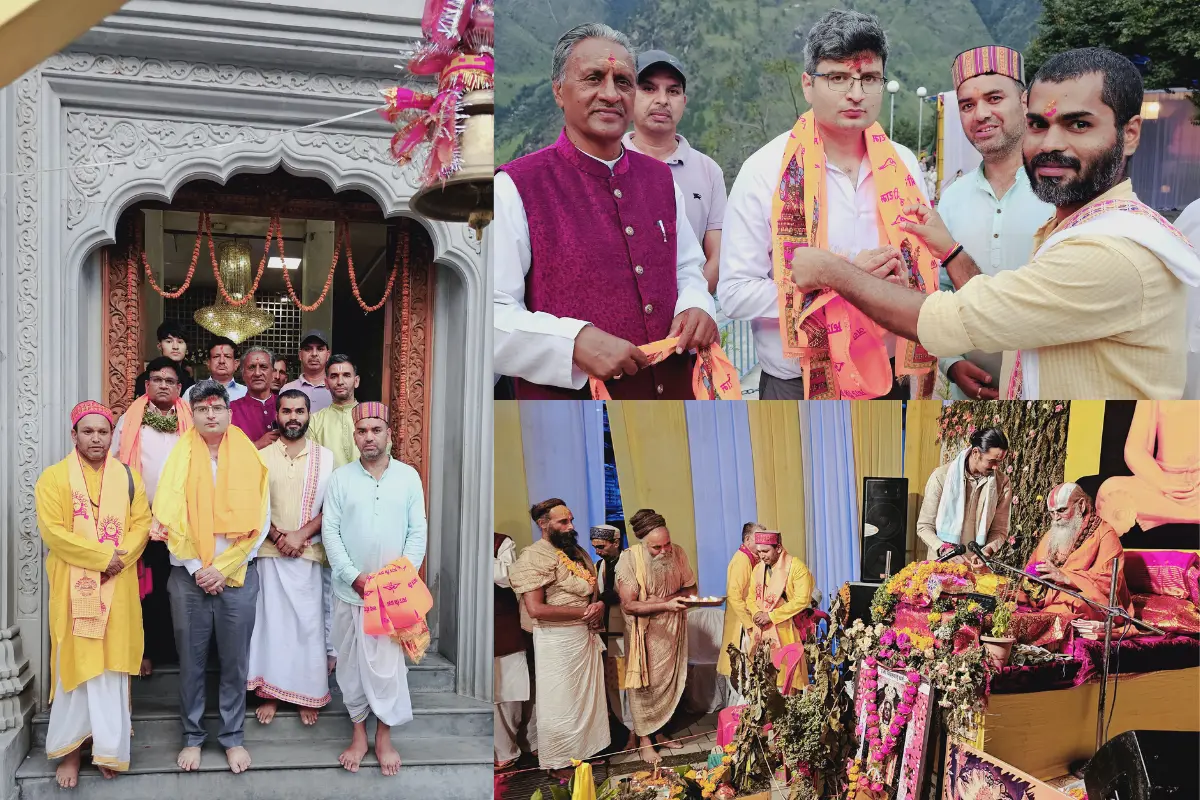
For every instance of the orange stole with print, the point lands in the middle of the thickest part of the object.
(395, 604)
(713, 376)
(91, 598)
(842, 351)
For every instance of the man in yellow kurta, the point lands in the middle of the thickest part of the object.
(333, 427)
(781, 587)
(94, 519)
(213, 509)
(738, 620)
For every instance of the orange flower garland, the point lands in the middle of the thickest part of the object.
(401, 243)
(575, 569)
(342, 230)
(202, 222)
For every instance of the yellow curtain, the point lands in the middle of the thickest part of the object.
(1085, 431)
(922, 455)
(878, 449)
(511, 503)
(779, 470)
(650, 445)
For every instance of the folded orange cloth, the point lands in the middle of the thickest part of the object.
(713, 376)
(395, 604)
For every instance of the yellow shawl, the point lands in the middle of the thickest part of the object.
(106, 522)
(194, 511)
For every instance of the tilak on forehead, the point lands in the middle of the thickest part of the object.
(1063, 495)
(1051, 109)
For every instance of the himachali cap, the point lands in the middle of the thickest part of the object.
(374, 409)
(605, 533)
(991, 60)
(771, 538)
(90, 407)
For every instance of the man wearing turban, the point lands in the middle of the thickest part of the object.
(1077, 553)
(95, 521)
(652, 576)
(781, 587)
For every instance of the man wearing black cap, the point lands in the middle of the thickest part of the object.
(173, 345)
(314, 353)
(657, 108)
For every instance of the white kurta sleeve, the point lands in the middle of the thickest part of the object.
(689, 269)
(746, 287)
(535, 346)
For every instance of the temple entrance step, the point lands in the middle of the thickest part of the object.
(433, 674)
(435, 714)
(446, 767)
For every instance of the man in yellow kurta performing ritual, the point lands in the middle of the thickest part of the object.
(738, 621)
(781, 587)
(1162, 451)
(94, 518)
(1077, 553)
(213, 509)
(652, 576)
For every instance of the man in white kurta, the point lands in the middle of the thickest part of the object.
(290, 653)
(992, 212)
(510, 665)
(374, 513)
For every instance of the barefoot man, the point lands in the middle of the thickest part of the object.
(290, 656)
(374, 513)
(651, 577)
(214, 509)
(93, 517)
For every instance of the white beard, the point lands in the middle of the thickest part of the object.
(1062, 537)
(660, 566)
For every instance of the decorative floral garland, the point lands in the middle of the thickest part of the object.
(342, 230)
(880, 744)
(163, 423)
(401, 247)
(575, 568)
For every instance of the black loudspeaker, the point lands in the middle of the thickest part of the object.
(1145, 765)
(861, 595)
(885, 511)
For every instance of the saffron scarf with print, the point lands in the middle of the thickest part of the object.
(1139, 223)
(395, 604)
(91, 599)
(842, 352)
(130, 448)
(768, 594)
(713, 376)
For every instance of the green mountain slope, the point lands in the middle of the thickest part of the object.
(1011, 22)
(745, 58)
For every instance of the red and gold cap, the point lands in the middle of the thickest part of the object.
(990, 60)
(90, 407)
(771, 538)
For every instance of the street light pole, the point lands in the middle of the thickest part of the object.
(920, 115)
(892, 87)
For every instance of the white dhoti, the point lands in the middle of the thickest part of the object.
(370, 669)
(97, 709)
(573, 714)
(288, 646)
(515, 720)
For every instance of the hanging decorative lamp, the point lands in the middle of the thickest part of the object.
(237, 323)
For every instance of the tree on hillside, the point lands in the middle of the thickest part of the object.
(1164, 31)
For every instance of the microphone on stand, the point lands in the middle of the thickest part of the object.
(977, 550)
(954, 552)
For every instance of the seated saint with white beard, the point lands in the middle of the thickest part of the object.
(1077, 553)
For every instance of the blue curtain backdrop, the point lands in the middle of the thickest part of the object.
(831, 505)
(563, 444)
(722, 485)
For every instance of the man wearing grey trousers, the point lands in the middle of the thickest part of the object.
(214, 524)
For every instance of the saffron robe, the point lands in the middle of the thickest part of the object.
(738, 618)
(1088, 566)
(76, 659)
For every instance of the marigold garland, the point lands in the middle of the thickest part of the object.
(342, 229)
(401, 245)
(276, 225)
(575, 569)
(202, 222)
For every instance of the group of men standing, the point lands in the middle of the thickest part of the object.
(1041, 275)
(610, 640)
(261, 519)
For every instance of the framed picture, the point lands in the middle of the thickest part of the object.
(905, 768)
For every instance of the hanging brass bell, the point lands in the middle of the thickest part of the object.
(466, 196)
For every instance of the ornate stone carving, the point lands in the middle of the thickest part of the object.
(15, 677)
(361, 148)
(122, 331)
(26, 351)
(218, 75)
(412, 331)
(95, 142)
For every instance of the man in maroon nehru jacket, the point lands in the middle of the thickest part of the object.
(593, 253)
